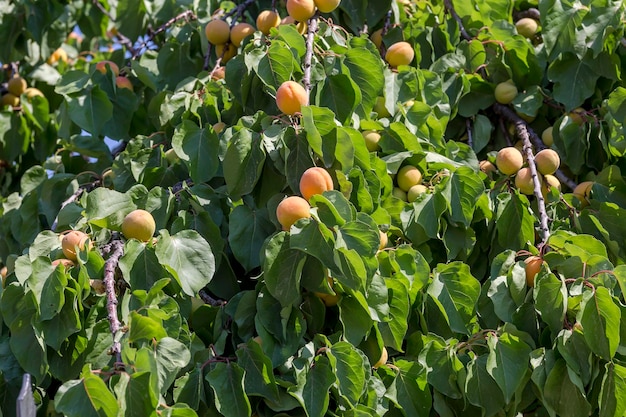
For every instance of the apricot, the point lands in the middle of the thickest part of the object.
(524, 181)
(17, 85)
(547, 161)
(509, 160)
(301, 10)
(123, 82)
(549, 182)
(292, 209)
(219, 73)
(487, 167)
(315, 180)
(217, 32)
(380, 108)
(138, 224)
(527, 27)
(383, 240)
(290, 97)
(415, 192)
(505, 92)
(267, 20)
(102, 67)
(57, 55)
(408, 176)
(399, 193)
(239, 32)
(329, 300)
(10, 100)
(546, 137)
(171, 156)
(583, 191)
(371, 138)
(377, 37)
(301, 27)
(219, 127)
(532, 268)
(327, 6)
(74, 241)
(400, 53)
(578, 116)
(33, 92)
(225, 51)
(67, 263)
(383, 358)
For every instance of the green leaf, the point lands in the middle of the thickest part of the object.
(226, 381)
(276, 65)
(412, 390)
(188, 257)
(481, 389)
(514, 222)
(283, 269)
(340, 94)
(313, 387)
(394, 330)
(136, 395)
(107, 208)
(465, 189)
(144, 328)
(198, 148)
(248, 230)
(507, 362)
(90, 110)
(349, 366)
(366, 70)
(613, 394)
(456, 293)
(259, 377)
(243, 162)
(550, 296)
(600, 318)
(563, 395)
(140, 266)
(86, 397)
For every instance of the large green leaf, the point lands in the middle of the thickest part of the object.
(88, 396)
(507, 362)
(198, 148)
(600, 318)
(227, 382)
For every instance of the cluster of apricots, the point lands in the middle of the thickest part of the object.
(17, 86)
(120, 81)
(409, 184)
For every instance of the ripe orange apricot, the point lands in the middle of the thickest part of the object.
(74, 240)
(527, 27)
(301, 10)
(400, 53)
(290, 97)
(524, 181)
(408, 176)
(487, 167)
(239, 32)
(217, 31)
(225, 51)
(123, 82)
(10, 100)
(383, 358)
(509, 160)
(266, 20)
(300, 26)
(547, 161)
(138, 224)
(532, 268)
(102, 67)
(315, 180)
(292, 209)
(327, 6)
(58, 55)
(505, 92)
(16, 86)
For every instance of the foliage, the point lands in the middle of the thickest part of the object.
(224, 313)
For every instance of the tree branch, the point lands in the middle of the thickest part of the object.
(450, 8)
(188, 15)
(308, 57)
(117, 249)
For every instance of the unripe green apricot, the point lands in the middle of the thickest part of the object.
(138, 224)
(527, 27)
(399, 193)
(408, 176)
(415, 192)
(505, 92)
(371, 140)
(509, 160)
(546, 137)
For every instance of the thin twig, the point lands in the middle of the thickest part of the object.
(103, 10)
(210, 300)
(450, 9)
(468, 126)
(308, 57)
(70, 200)
(188, 15)
(110, 265)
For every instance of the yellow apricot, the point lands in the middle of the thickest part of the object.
(219, 127)
(225, 51)
(527, 27)
(377, 37)
(524, 181)
(10, 100)
(415, 191)
(578, 115)
(399, 193)
(549, 182)
(123, 82)
(547, 161)
(315, 180)
(371, 138)
(509, 160)
(583, 191)
(239, 32)
(301, 27)
(408, 176)
(217, 31)
(487, 167)
(546, 137)
(327, 6)
(138, 224)
(33, 92)
(57, 55)
(383, 240)
(380, 108)
(73, 240)
(290, 97)
(16, 86)
(505, 92)
(292, 209)
(532, 268)
(301, 10)
(400, 53)
(102, 67)
(266, 20)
